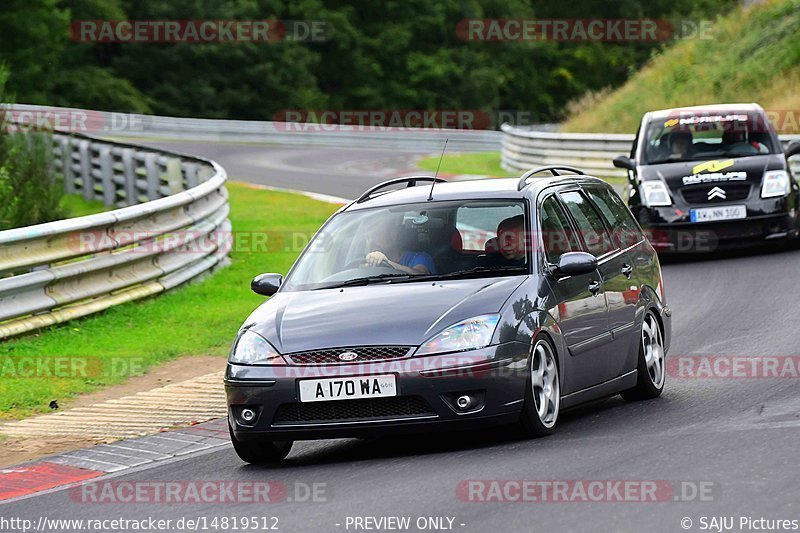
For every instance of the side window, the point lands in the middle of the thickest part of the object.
(590, 225)
(624, 228)
(557, 235)
(478, 224)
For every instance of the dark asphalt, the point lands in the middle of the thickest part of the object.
(343, 172)
(739, 434)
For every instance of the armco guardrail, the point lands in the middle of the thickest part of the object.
(53, 272)
(126, 125)
(524, 149)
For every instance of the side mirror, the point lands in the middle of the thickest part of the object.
(623, 161)
(793, 148)
(576, 264)
(266, 284)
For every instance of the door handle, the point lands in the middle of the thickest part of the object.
(627, 270)
(594, 287)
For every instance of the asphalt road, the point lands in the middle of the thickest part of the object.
(342, 172)
(740, 436)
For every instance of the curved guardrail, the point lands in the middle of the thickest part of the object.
(286, 133)
(524, 149)
(172, 227)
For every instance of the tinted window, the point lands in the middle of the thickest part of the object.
(590, 225)
(624, 229)
(557, 235)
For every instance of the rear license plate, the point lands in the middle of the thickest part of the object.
(321, 390)
(725, 212)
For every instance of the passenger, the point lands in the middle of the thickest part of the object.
(509, 247)
(386, 251)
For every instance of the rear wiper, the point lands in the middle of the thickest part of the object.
(366, 280)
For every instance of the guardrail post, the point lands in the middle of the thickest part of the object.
(65, 156)
(153, 176)
(107, 175)
(129, 172)
(174, 175)
(190, 169)
(86, 169)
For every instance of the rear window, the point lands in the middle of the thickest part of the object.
(699, 136)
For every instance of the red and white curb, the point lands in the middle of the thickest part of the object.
(89, 463)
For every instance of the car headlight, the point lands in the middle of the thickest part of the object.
(655, 194)
(775, 183)
(469, 334)
(250, 348)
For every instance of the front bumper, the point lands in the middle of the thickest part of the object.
(496, 376)
(670, 228)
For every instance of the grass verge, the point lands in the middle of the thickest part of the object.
(753, 55)
(197, 319)
(74, 205)
(485, 163)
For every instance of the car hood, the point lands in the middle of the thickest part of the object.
(724, 170)
(382, 314)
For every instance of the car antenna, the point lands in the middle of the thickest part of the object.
(430, 195)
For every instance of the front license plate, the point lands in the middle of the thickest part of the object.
(322, 390)
(726, 212)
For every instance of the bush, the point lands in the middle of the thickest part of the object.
(29, 192)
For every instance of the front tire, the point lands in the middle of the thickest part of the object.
(651, 368)
(542, 394)
(260, 452)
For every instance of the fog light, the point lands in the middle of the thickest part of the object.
(463, 402)
(248, 415)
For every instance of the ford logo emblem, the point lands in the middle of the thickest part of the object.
(348, 356)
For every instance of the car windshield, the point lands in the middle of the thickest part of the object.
(697, 137)
(415, 242)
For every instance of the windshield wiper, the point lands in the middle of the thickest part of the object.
(366, 280)
(472, 271)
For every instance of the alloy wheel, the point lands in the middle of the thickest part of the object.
(544, 380)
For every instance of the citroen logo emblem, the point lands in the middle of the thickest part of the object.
(716, 192)
(348, 356)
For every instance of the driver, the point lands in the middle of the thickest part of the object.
(386, 251)
(680, 142)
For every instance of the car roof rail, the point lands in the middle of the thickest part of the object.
(553, 169)
(410, 180)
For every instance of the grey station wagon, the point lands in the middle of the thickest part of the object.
(430, 305)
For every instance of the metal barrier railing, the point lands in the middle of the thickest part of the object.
(119, 125)
(524, 149)
(172, 226)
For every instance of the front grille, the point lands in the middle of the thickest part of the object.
(698, 194)
(352, 410)
(365, 353)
